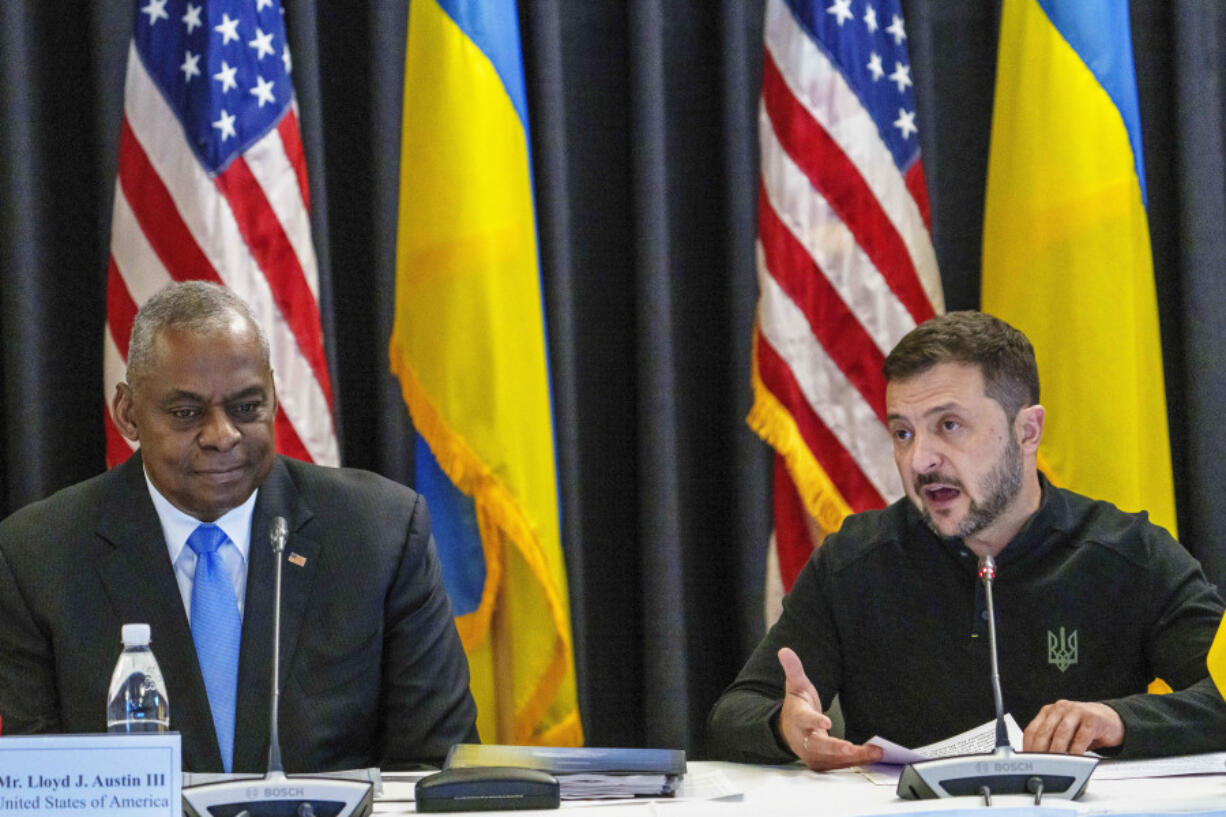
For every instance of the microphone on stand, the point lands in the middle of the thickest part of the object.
(278, 532)
(1002, 771)
(276, 794)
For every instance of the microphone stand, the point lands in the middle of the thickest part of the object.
(278, 533)
(276, 794)
(1002, 771)
(987, 573)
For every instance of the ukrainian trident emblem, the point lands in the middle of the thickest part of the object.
(1062, 651)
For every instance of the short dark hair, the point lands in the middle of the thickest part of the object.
(194, 305)
(1002, 353)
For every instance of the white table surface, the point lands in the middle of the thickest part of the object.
(772, 791)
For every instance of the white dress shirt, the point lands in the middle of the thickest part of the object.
(177, 526)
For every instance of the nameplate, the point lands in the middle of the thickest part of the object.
(96, 775)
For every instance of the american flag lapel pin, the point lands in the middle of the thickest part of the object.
(297, 559)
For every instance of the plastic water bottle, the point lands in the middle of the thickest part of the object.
(137, 701)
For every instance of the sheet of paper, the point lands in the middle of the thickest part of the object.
(972, 741)
(1211, 763)
(703, 783)
(401, 787)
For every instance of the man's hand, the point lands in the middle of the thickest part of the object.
(807, 731)
(1073, 727)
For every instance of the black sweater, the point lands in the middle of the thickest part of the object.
(1091, 604)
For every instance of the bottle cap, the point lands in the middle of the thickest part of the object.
(135, 635)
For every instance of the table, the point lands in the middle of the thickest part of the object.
(783, 791)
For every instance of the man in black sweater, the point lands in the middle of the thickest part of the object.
(1092, 602)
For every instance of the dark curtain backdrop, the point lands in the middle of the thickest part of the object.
(644, 148)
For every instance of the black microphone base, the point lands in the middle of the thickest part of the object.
(276, 795)
(1001, 772)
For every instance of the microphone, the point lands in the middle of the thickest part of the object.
(276, 794)
(1002, 771)
(987, 574)
(278, 532)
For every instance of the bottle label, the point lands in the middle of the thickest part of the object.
(137, 705)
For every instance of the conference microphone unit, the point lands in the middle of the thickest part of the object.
(1002, 771)
(277, 794)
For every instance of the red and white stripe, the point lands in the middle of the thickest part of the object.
(846, 267)
(248, 228)
(836, 115)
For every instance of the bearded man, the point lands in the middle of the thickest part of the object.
(1091, 602)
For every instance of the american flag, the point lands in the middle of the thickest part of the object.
(845, 260)
(212, 185)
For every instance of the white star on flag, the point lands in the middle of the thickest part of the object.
(901, 76)
(906, 123)
(263, 90)
(190, 66)
(841, 9)
(262, 44)
(263, 4)
(228, 29)
(225, 124)
(226, 77)
(192, 18)
(156, 9)
(874, 66)
(285, 58)
(896, 28)
(870, 19)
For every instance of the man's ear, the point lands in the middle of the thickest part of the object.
(123, 413)
(1028, 426)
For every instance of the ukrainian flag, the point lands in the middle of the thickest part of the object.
(1216, 659)
(1066, 252)
(468, 345)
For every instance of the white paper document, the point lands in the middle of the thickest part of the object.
(982, 739)
(973, 741)
(1211, 763)
(401, 786)
(705, 783)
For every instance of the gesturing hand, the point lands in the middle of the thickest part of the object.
(807, 731)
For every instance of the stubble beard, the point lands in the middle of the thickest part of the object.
(1001, 486)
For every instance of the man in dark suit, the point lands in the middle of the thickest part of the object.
(372, 670)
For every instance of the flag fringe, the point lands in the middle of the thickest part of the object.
(498, 515)
(776, 426)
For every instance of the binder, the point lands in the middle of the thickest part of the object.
(586, 772)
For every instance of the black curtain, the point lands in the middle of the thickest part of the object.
(644, 148)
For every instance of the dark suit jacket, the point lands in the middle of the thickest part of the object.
(372, 670)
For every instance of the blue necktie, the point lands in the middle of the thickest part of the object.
(216, 630)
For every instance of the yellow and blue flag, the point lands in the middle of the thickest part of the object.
(468, 345)
(1217, 659)
(1066, 250)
